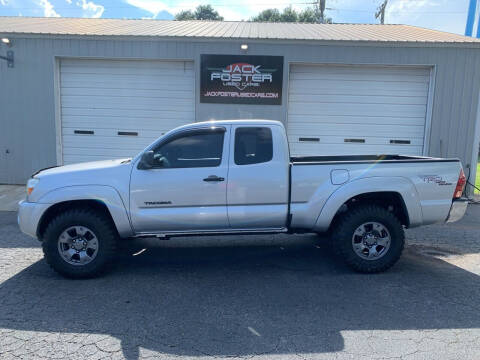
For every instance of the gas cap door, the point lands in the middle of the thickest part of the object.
(339, 176)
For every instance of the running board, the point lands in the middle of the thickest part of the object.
(165, 235)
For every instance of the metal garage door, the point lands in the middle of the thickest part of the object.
(113, 109)
(357, 109)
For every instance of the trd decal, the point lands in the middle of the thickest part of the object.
(434, 179)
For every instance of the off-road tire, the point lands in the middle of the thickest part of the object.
(104, 230)
(345, 227)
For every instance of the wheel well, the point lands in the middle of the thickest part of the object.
(390, 200)
(58, 208)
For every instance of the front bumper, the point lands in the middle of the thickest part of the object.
(457, 210)
(29, 215)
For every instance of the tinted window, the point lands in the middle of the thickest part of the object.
(194, 150)
(253, 145)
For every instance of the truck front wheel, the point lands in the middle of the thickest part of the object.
(79, 243)
(369, 238)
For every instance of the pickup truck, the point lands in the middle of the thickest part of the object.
(237, 177)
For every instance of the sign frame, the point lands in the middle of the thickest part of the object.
(241, 79)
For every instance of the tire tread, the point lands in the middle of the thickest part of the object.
(342, 237)
(108, 242)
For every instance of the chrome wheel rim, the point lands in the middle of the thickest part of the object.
(371, 240)
(78, 245)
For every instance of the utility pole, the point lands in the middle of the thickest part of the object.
(381, 12)
(320, 10)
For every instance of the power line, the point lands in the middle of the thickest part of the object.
(76, 8)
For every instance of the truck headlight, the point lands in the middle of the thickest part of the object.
(31, 185)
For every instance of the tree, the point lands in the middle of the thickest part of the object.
(308, 15)
(202, 12)
(268, 15)
(185, 15)
(289, 15)
(207, 12)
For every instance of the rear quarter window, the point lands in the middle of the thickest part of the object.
(253, 145)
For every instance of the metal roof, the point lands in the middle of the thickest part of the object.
(227, 29)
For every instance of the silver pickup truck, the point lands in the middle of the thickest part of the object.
(237, 177)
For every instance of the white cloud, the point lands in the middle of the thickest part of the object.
(232, 11)
(48, 10)
(444, 15)
(411, 10)
(152, 6)
(90, 9)
(68, 1)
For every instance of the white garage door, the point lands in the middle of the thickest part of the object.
(357, 109)
(114, 109)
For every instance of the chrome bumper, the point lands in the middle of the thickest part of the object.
(457, 210)
(29, 215)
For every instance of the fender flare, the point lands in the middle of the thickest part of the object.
(397, 184)
(103, 193)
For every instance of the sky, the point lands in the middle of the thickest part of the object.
(445, 15)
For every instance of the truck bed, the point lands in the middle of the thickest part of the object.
(426, 184)
(299, 160)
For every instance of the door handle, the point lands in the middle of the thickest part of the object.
(214, 178)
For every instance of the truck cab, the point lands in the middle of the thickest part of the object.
(213, 177)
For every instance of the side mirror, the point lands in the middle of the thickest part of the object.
(147, 161)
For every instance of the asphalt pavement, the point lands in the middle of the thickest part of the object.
(261, 297)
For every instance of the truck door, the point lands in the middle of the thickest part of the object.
(258, 178)
(186, 190)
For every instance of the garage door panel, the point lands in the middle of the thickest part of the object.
(77, 158)
(81, 64)
(112, 133)
(121, 79)
(146, 93)
(111, 98)
(348, 130)
(97, 142)
(356, 69)
(356, 87)
(125, 103)
(135, 83)
(354, 72)
(359, 99)
(127, 72)
(103, 153)
(358, 109)
(141, 124)
(368, 140)
(159, 114)
(353, 149)
(383, 107)
(309, 120)
(381, 78)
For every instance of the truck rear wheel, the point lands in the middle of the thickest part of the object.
(79, 243)
(369, 238)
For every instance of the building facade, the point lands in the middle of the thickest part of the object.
(91, 89)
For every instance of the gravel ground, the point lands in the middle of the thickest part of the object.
(275, 297)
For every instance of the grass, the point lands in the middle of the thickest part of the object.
(477, 180)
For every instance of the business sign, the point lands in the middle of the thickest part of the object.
(241, 79)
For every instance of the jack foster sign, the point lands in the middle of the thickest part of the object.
(241, 79)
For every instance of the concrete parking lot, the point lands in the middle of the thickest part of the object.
(263, 297)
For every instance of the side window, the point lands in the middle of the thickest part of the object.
(198, 149)
(253, 145)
